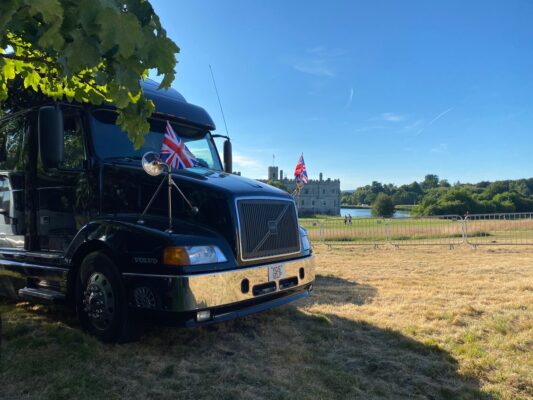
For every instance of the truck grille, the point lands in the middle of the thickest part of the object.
(267, 228)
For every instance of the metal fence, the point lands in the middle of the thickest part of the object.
(449, 230)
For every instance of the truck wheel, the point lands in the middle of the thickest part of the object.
(102, 302)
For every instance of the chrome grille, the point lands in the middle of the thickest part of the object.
(267, 228)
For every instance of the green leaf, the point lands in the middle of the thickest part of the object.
(122, 98)
(52, 37)
(119, 29)
(81, 52)
(32, 79)
(51, 10)
(8, 69)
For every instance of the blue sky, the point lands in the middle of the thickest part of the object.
(373, 90)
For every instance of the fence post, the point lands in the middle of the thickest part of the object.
(464, 228)
(386, 227)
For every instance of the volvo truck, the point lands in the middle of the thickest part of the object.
(80, 225)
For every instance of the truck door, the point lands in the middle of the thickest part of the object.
(63, 193)
(13, 222)
(12, 181)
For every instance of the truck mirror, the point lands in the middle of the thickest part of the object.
(228, 157)
(51, 144)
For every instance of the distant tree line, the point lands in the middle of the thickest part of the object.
(434, 196)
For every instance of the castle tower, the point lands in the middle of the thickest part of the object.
(273, 173)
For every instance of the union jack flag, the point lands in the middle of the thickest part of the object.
(174, 152)
(300, 172)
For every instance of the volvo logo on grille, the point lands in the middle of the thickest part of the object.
(273, 227)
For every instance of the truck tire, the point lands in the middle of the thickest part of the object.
(101, 301)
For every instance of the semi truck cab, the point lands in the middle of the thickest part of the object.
(72, 191)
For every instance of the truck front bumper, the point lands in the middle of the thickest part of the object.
(228, 294)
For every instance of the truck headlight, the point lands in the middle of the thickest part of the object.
(306, 244)
(193, 255)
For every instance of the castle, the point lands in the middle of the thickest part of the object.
(316, 197)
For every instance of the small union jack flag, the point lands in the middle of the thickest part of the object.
(300, 172)
(174, 152)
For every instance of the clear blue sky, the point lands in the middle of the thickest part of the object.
(373, 90)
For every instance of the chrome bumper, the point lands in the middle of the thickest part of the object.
(195, 292)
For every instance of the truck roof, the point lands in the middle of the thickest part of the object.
(169, 102)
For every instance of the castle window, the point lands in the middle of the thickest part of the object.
(323, 191)
(303, 203)
(323, 203)
(313, 203)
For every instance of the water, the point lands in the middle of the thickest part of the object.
(367, 213)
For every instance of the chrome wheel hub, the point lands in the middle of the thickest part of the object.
(99, 301)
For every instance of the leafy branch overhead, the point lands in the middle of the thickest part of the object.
(88, 51)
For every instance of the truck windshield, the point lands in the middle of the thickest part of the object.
(112, 142)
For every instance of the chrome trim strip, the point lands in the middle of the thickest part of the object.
(207, 290)
(18, 253)
(239, 241)
(28, 265)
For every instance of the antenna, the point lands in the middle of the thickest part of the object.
(219, 102)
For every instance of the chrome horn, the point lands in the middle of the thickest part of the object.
(152, 164)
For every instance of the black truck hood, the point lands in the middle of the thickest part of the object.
(232, 185)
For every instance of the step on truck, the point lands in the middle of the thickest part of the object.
(88, 222)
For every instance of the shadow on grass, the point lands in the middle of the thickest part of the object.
(332, 290)
(287, 353)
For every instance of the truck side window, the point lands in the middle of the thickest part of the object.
(11, 143)
(73, 139)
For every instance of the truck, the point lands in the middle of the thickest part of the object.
(80, 225)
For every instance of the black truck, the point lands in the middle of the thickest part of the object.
(73, 231)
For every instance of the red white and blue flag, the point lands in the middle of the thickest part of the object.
(174, 152)
(300, 172)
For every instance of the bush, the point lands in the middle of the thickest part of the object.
(383, 206)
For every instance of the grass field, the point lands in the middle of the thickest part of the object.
(408, 323)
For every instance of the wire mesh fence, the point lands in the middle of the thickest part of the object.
(442, 230)
(510, 229)
(449, 230)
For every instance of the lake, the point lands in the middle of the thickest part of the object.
(367, 213)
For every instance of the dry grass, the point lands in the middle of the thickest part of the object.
(417, 323)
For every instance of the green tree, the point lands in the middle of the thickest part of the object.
(278, 184)
(495, 188)
(383, 206)
(520, 187)
(403, 197)
(347, 198)
(88, 51)
(430, 182)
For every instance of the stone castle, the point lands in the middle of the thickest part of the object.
(316, 197)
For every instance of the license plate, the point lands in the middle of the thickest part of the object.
(275, 272)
